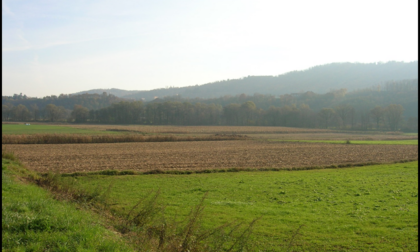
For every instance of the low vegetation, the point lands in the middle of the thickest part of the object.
(388, 142)
(77, 139)
(32, 220)
(22, 129)
(370, 208)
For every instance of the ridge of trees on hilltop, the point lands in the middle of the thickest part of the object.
(319, 79)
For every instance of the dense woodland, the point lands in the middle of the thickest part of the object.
(392, 106)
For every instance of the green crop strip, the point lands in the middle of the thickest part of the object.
(20, 129)
(391, 142)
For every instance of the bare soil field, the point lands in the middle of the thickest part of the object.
(68, 158)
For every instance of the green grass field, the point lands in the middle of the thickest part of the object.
(371, 208)
(33, 221)
(19, 129)
(392, 142)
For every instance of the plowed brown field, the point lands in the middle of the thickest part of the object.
(67, 158)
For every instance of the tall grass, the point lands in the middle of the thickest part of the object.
(74, 138)
(148, 226)
(9, 155)
(33, 221)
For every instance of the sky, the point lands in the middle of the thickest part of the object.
(61, 47)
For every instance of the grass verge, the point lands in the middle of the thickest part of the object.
(196, 171)
(33, 221)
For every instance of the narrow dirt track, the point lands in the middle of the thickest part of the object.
(66, 158)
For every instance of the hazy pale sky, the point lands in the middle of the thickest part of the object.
(54, 47)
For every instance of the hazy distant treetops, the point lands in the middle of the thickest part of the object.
(90, 101)
(113, 91)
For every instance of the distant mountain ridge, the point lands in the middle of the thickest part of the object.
(113, 91)
(318, 79)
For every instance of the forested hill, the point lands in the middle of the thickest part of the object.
(318, 79)
(113, 91)
(403, 92)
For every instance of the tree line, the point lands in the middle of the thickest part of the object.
(364, 109)
(343, 116)
(67, 101)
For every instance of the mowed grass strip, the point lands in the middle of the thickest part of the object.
(33, 221)
(391, 142)
(371, 208)
(20, 129)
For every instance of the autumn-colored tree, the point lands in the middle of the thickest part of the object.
(326, 115)
(80, 114)
(393, 114)
(52, 112)
(231, 114)
(35, 111)
(21, 113)
(6, 111)
(247, 111)
(377, 114)
(345, 112)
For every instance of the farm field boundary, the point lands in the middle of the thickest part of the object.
(87, 139)
(22, 129)
(184, 172)
(390, 142)
(59, 215)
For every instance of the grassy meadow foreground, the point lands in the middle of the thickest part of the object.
(323, 192)
(371, 208)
